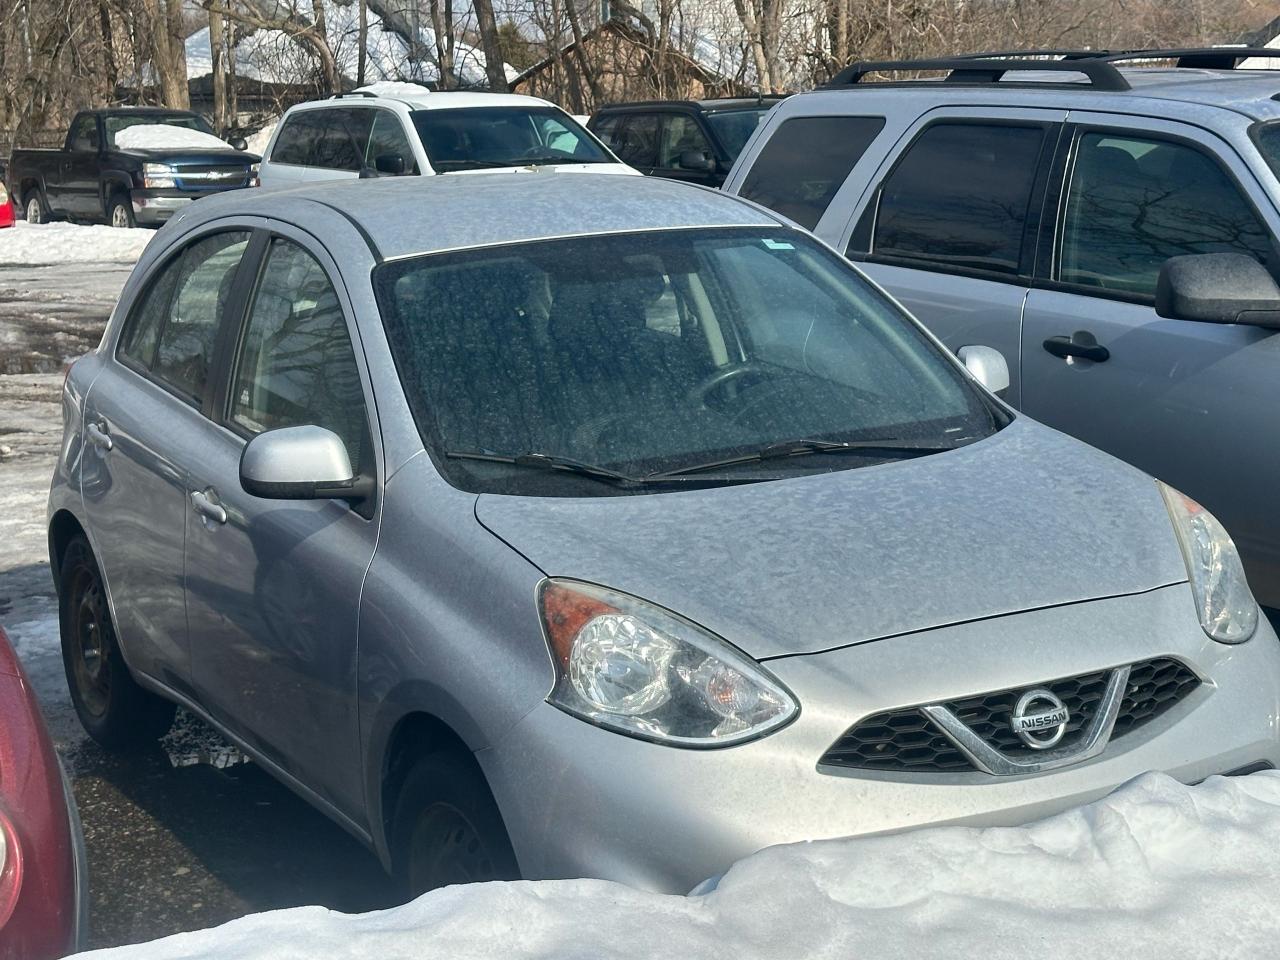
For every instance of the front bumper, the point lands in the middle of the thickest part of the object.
(581, 801)
(157, 206)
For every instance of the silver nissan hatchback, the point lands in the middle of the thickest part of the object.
(597, 526)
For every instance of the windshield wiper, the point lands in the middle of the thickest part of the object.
(888, 446)
(547, 461)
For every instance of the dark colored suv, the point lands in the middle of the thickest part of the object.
(692, 140)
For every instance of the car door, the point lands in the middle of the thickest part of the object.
(950, 228)
(76, 192)
(143, 420)
(636, 140)
(273, 586)
(682, 147)
(1191, 403)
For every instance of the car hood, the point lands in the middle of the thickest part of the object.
(186, 155)
(1025, 519)
(618, 168)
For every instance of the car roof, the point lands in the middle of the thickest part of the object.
(1249, 92)
(417, 97)
(408, 216)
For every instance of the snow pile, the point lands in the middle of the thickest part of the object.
(1157, 869)
(257, 143)
(56, 243)
(165, 136)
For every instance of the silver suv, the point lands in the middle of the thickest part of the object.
(1103, 226)
(609, 526)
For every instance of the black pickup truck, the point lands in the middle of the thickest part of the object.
(138, 178)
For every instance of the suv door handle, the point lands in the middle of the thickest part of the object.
(208, 508)
(99, 436)
(1080, 344)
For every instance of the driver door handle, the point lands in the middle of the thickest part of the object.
(1081, 344)
(99, 436)
(207, 508)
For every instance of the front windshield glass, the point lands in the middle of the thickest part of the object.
(115, 122)
(1268, 140)
(735, 127)
(650, 352)
(476, 138)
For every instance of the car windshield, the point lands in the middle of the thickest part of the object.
(663, 352)
(476, 138)
(735, 127)
(1268, 140)
(115, 122)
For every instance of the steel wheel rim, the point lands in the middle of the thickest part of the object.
(91, 639)
(460, 857)
(33, 210)
(119, 216)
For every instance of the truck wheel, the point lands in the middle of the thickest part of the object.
(120, 211)
(447, 828)
(37, 212)
(113, 709)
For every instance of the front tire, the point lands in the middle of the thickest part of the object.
(112, 708)
(36, 211)
(120, 212)
(447, 828)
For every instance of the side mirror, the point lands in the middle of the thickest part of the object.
(697, 161)
(390, 163)
(1218, 288)
(298, 463)
(988, 367)
(239, 143)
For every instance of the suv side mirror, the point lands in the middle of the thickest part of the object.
(988, 367)
(389, 163)
(697, 161)
(1218, 288)
(299, 463)
(239, 143)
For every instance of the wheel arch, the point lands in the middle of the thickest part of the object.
(111, 183)
(64, 526)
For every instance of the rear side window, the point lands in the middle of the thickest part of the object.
(1136, 201)
(806, 161)
(294, 139)
(959, 197)
(636, 141)
(172, 331)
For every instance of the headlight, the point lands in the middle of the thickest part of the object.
(1228, 612)
(636, 668)
(4, 194)
(157, 175)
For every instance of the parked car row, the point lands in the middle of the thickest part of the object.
(549, 526)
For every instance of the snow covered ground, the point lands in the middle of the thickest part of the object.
(1156, 870)
(28, 244)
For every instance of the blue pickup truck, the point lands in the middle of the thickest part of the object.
(111, 170)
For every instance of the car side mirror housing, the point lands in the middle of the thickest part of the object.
(988, 367)
(1218, 288)
(697, 161)
(239, 143)
(391, 164)
(299, 463)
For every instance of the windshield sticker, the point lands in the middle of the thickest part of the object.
(778, 245)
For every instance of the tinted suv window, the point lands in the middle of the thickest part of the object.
(1134, 202)
(636, 141)
(680, 135)
(960, 195)
(174, 326)
(806, 161)
(388, 139)
(296, 365)
(294, 139)
(334, 138)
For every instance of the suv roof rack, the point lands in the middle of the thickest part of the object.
(983, 70)
(1098, 66)
(353, 93)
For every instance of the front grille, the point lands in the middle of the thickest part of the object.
(211, 176)
(906, 740)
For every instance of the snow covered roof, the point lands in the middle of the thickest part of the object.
(420, 98)
(272, 56)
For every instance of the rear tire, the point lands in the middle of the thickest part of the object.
(112, 708)
(447, 828)
(37, 211)
(120, 211)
